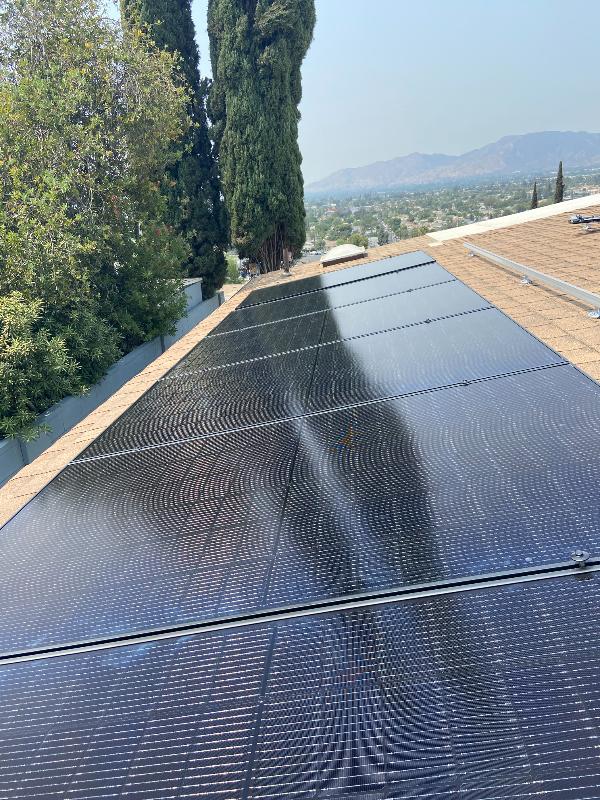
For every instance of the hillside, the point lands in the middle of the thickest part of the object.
(526, 154)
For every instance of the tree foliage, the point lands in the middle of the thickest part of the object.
(257, 48)
(559, 189)
(534, 196)
(383, 237)
(357, 239)
(88, 266)
(196, 205)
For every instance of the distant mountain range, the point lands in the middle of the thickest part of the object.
(528, 154)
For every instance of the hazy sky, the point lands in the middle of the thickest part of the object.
(387, 77)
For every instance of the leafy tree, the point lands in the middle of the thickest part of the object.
(534, 196)
(196, 204)
(233, 273)
(257, 48)
(357, 239)
(559, 190)
(383, 236)
(87, 128)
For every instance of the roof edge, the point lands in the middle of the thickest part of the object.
(515, 219)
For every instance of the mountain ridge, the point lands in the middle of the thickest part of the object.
(514, 154)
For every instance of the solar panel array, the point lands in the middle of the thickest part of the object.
(379, 434)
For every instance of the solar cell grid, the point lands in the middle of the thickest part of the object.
(338, 277)
(358, 319)
(117, 574)
(205, 402)
(253, 343)
(452, 695)
(408, 308)
(425, 488)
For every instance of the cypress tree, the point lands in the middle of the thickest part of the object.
(197, 208)
(257, 48)
(559, 191)
(534, 196)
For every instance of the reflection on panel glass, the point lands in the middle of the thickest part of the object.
(470, 480)
(357, 319)
(414, 359)
(337, 277)
(487, 694)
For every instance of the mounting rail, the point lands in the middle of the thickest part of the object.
(534, 275)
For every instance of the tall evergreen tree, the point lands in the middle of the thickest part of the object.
(559, 191)
(257, 48)
(534, 196)
(197, 207)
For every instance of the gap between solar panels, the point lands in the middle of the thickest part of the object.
(580, 566)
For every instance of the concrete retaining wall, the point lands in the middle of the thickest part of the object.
(15, 453)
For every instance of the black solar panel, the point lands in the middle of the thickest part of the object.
(201, 402)
(338, 277)
(254, 343)
(487, 694)
(430, 487)
(385, 435)
(191, 403)
(467, 347)
(359, 318)
(346, 294)
(399, 310)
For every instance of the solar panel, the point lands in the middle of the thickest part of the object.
(399, 310)
(426, 488)
(201, 402)
(462, 348)
(485, 694)
(338, 277)
(357, 319)
(470, 346)
(386, 436)
(290, 307)
(148, 560)
(254, 343)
